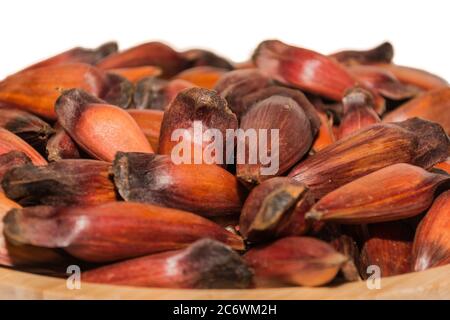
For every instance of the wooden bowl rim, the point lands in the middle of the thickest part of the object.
(430, 284)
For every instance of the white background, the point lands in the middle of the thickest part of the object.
(419, 30)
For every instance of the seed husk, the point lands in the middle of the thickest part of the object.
(353, 181)
(249, 100)
(11, 160)
(201, 58)
(248, 64)
(100, 129)
(276, 208)
(432, 241)
(234, 86)
(150, 123)
(36, 90)
(61, 146)
(358, 109)
(297, 261)
(433, 105)
(294, 138)
(415, 141)
(388, 246)
(444, 165)
(206, 189)
(78, 55)
(65, 182)
(202, 106)
(11, 142)
(18, 255)
(416, 77)
(347, 246)
(147, 54)
(303, 68)
(112, 231)
(206, 264)
(27, 126)
(203, 77)
(382, 53)
(156, 93)
(395, 192)
(384, 82)
(136, 74)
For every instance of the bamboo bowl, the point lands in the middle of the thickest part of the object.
(430, 284)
